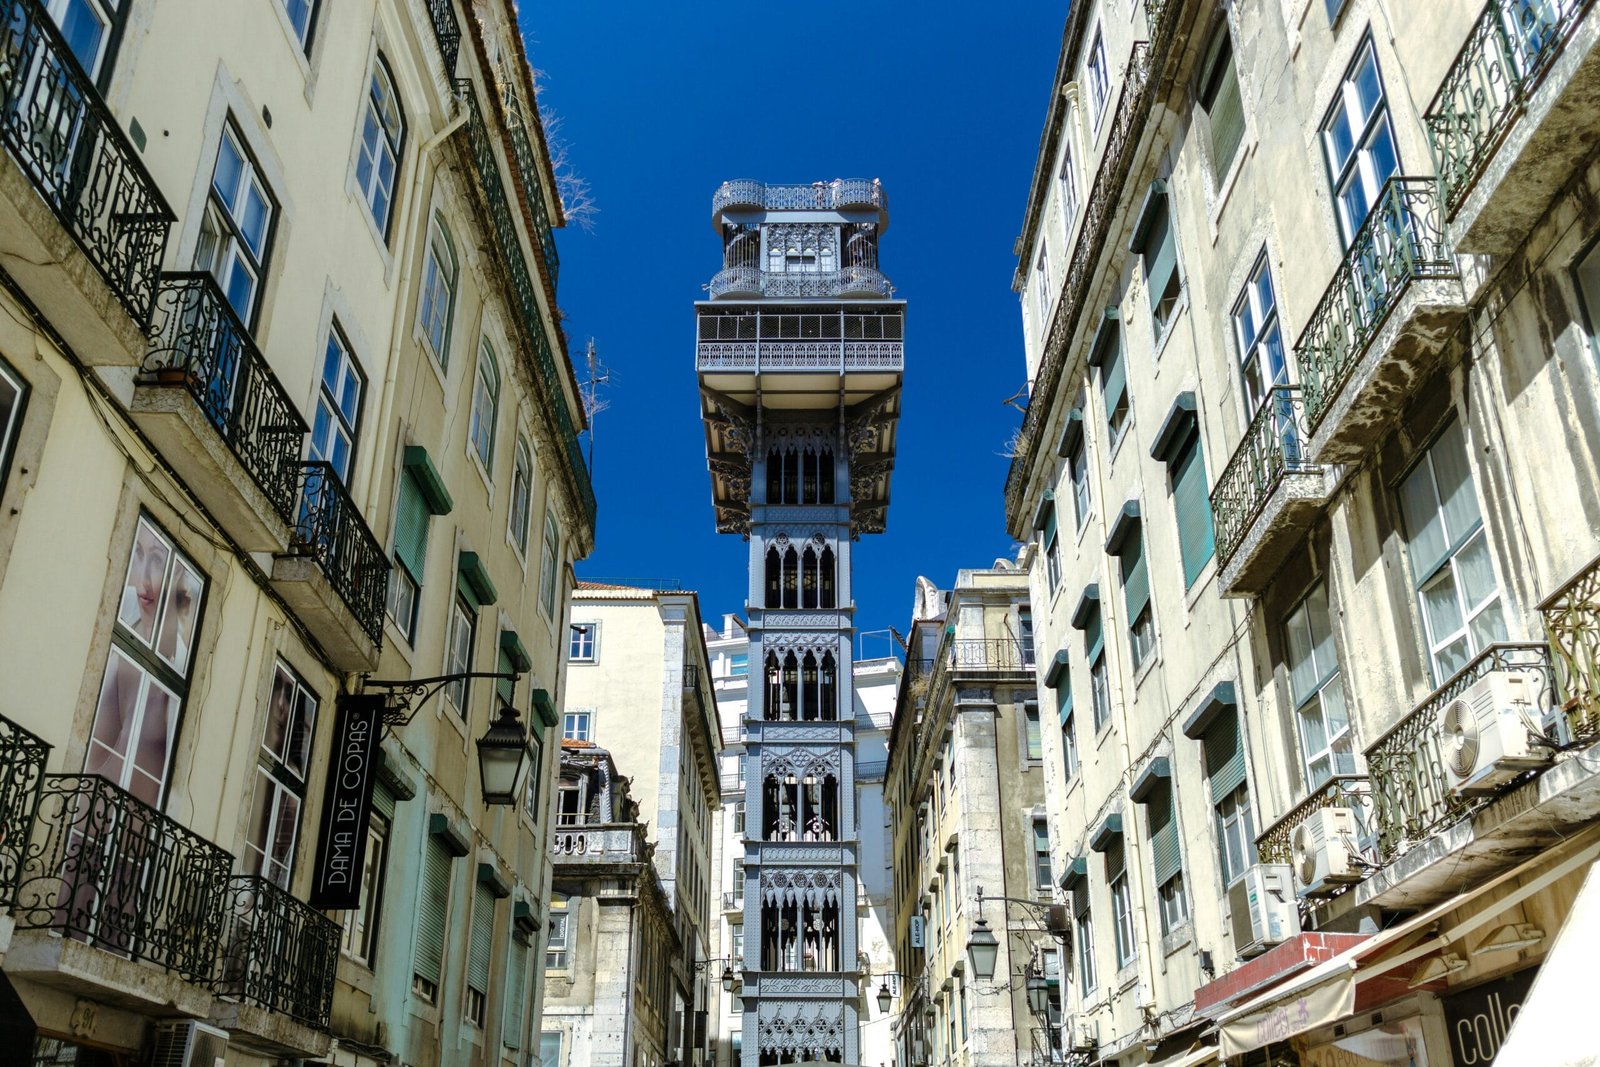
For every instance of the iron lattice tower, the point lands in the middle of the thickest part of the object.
(800, 353)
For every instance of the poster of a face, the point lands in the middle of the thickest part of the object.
(141, 591)
(178, 616)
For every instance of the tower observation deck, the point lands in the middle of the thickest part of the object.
(799, 353)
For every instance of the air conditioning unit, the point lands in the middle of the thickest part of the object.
(1262, 904)
(1324, 847)
(1083, 1035)
(189, 1044)
(1487, 734)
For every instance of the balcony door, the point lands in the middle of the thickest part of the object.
(51, 109)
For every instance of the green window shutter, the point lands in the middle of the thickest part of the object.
(411, 527)
(1227, 122)
(1165, 853)
(1224, 755)
(1049, 526)
(1135, 577)
(1113, 380)
(503, 686)
(1196, 538)
(482, 942)
(435, 904)
(383, 801)
(1092, 637)
(516, 993)
(1160, 256)
(1064, 701)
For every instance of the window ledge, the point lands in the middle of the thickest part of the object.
(1171, 327)
(1178, 939)
(1118, 441)
(1127, 975)
(1147, 666)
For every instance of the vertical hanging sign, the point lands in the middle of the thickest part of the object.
(347, 802)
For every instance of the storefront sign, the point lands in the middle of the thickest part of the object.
(347, 803)
(1480, 1017)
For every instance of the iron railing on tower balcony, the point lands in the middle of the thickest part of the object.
(1273, 447)
(446, 33)
(1350, 791)
(198, 342)
(1401, 241)
(1512, 46)
(22, 761)
(481, 149)
(278, 952)
(329, 528)
(1572, 624)
(837, 195)
(64, 137)
(790, 286)
(106, 868)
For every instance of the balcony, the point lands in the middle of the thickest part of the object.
(22, 760)
(822, 342)
(1267, 496)
(1509, 125)
(746, 282)
(446, 33)
(1351, 791)
(277, 966)
(210, 402)
(1572, 624)
(854, 194)
(83, 224)
(732, 901)
(118, 901)
(335, 575)
(989, 654)
(596, 843)
(1381, 325)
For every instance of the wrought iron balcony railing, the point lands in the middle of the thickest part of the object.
(1572, 624)
(1401, 241)
(198, 342)
(106, 868)
(1512, 46)
(988, 654)
(64, 137)
(22, 760)
(446, 33)
(1273, 446)
(1351, 791)
(836, 195)
(1413, 797)
(278, 952)
(853, 281)
(732, 901)
(481, 149)
(329, 528)
(527, 166)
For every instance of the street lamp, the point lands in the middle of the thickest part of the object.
(1038, 992)
(727, 978)
(983, 948)
(502, 753)
(884, 996)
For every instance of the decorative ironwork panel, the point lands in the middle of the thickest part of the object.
(105, 868)
(330, 529)
(987, 654)
(278, 952)
(1512, 46)
(1401, 241)
(1273, 446)
(446, 32)
(1352, 791)
(1572, 624)
(777, 284)
(838, 195)
(811, 1031)
(64, 137)
(22, 761)
(198, 342)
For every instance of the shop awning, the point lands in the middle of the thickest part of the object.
(1546, 1032)
(1194, 1057)
(1320, 997)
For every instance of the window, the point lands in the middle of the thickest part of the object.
(1174, 906)
(1121, 905)
(516, 993)
(339, 395)
(1236, 835)
(557, 951)
(741, 768)
(531, 802)
(433, 909)
(1099, 676)
(280, 778)
(738, 817)
(360, 936)
(1586, 275)
(86, 27)
(383, 130)
(1166, 855)
(1078, 473)
(300, 14)
(550, 1049)
(1083, 937)
(1114, 390)
(1262, 365)
(1069, 730)
(1051, 539)
(1136, 593)
(147, 670)
(575, 726)
(738, 882)
(438, 296)
(1098, 80)
(1318, 691)
(1191, 503)
(1358, 142)
(1025, 635)
(236, 229)
(1033, 745)
(1219, 97)
(581, 642)
(1041, 856)
(1069, 192)
(1450, 558)
(739, 666)
(1157, 246)
(13, 402)
(485, 405)
(458, 654)
(411, 514)
(1041, 287)
(480, 943)
(548, 580)
(521, 492)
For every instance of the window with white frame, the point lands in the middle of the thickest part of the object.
(549, 1049)
(1041, 287)
(1326, 741)
(236, 228)
(557, 952)
(1124, 940)
(738, 817)
(1222, 103)
(1236, 835)
(438, 298)
(575, 725)
(549, 580)
(301, 13)
(1068, 184)
(1174, 905)
(280, 786)
(458, 654)
(383, 130)
(1083, 937)
(1157, 243)
(1033, 742)
(485, 405)
(1451, 562)
(533, 797)
(1099, 674)
(583, 642)
(1114, 388)
(1025, 635)
(359, 938)
(1585, 276)
(1069, 729)
(87, 26)
(520, 515)
(1041, 856)
(1050, 537)
(1078, 474)
(1097, 79)
(1358, 142)
(13, 401)
(1262, 366)
(339, 395)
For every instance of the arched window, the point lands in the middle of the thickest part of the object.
(828, 684)
(808, 476)
(791, 687)
(826, 579)
(485, 405)
(808, 687)
(774, 579)
(383, 131)
(808, 578)
(825, 481)
(791, 476)
(774, 477)
(791, 578)
(438, 296)
(521, 492)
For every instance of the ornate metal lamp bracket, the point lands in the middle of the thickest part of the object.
(403, 698)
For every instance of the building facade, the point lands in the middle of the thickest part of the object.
(639, 685)
(1308, 479)
(966, 796)
(255, 399)
(800, 352)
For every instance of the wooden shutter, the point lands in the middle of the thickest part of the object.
(482, 941)
(1135, 576)
(411, 527)
(516, 993)
(1224, 755)
(434, 906)
(1196, 540)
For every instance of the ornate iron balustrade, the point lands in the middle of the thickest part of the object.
(1512, 46)
(1351, 791)
(1572, 624)
(199, 342)
(837, 195)
(1401, 241)
(64, 137)
(527, 166)
(278, 952)
(22, 760)
(329, 528)
(852, 280)
(1406, 765)
(732, 901)
(106, 868)
(481, 150)
(446, 33)
(987, 654)
(801, 355)
(1273, 446)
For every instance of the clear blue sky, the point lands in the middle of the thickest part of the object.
(661, 102)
